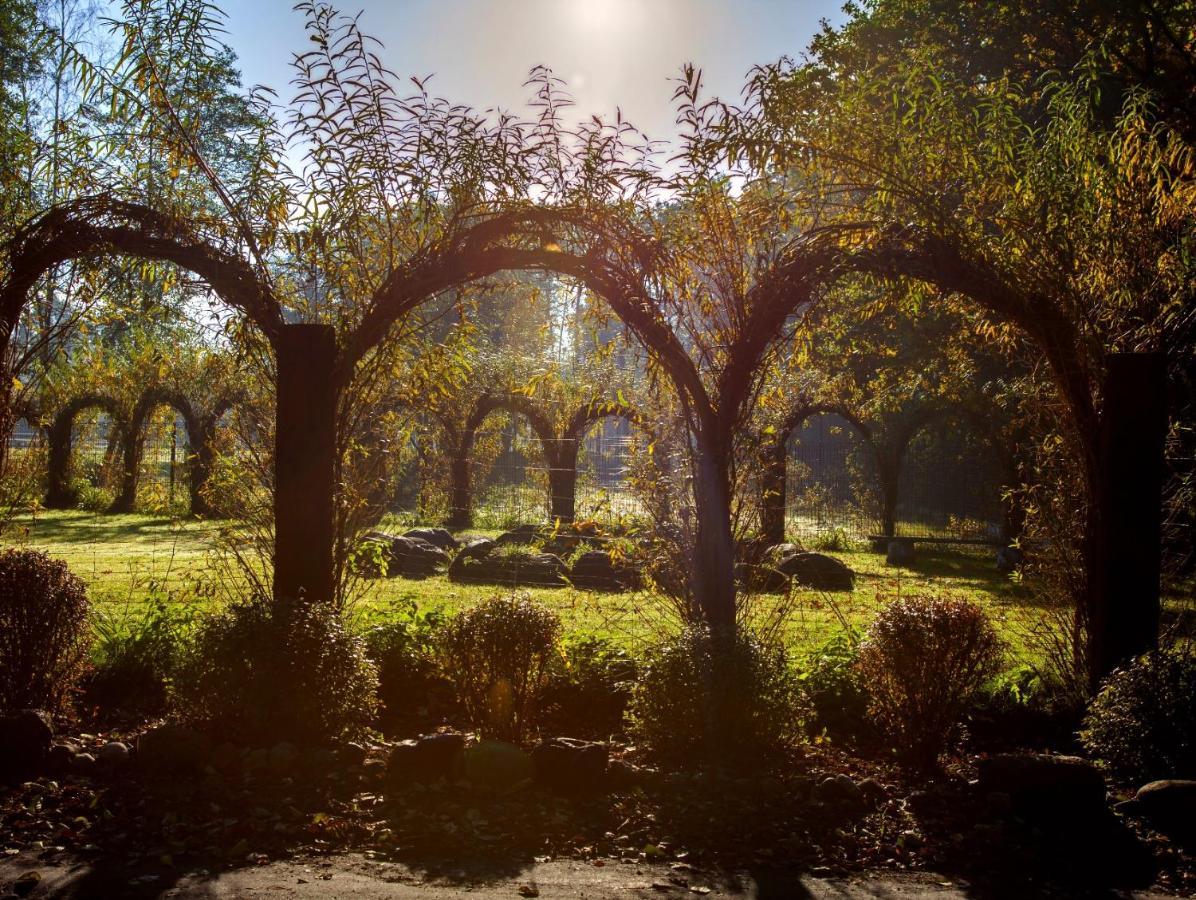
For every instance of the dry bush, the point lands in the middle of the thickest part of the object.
(922, 660)
(44, 631)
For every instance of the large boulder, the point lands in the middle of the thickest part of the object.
(25, 739)
(1039, 785)
(816, 571)
(1169, 805)
(496, 766)
(496, 566)
(409, 556)
(426, 760)
(520, 534)
(437, 537)
(571, 765)
(595, 570)
(172, 750)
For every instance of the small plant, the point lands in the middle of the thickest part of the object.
(719, 698)
(134, 658)
(834, 541)
(922, 660)
(44, 631)
(1142, 724)
(589, 689)
(262, 672)
(410, 680)
(830, 682)
(498, 654)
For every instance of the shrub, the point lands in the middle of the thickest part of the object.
(1142, 724)
(588, 689)
(921, 661)
(44, 630)
(133, 660)
(410, 680)
(261, 672)
(722, 698)
(829, 680)
(497, 654)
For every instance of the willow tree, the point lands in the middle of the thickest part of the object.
(1067, 233)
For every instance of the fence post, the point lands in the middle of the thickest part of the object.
(305, 463)
(1126, 548)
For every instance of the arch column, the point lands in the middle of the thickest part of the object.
(772, 489)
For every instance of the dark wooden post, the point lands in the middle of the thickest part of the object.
(1126, 549)
(305, 463)
(772, 491)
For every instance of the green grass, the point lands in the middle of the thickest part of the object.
(127, 558)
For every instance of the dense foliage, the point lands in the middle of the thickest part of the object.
(260, 673)
(1142, 724)
(45, 631)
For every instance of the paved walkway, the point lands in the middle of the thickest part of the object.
(352, 876)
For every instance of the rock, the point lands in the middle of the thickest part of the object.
(428, 759)
(900, 552)
(408, 556)
(172, 750)
(840, 791)
(520, 534)
(566, 764)
(27, 883)
(817, 571)
(226, 759)
(622, 775)
(496, 766)
(1168, 805)
(510, 568)
(256, 760)
(1044, 786)
(25, 739)
(317, 760)
(594, 570)
(873, 791)
(351, 754)
(437, 537)
(83, 764)
(1009, 559)
(283, 756)
(113, 753)
(60, 757)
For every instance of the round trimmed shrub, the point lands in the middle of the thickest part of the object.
(588, 689)
(718, 698)
(1142, 724)
(44, 633)
(498, 655)
(411, 684)
(921, 661)
(261, 672)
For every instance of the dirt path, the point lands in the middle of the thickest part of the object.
(353, 876)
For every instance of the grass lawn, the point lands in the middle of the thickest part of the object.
(127, 559)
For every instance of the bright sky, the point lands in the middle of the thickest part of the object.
(611, 52)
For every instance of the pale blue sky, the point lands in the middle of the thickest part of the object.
(612, 52)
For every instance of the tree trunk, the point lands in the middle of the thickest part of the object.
(305, 464)
(131, 454)
(461, 502)
(562, 480)
(888, 471)
(713, 566)
(59, 494)
(1124, 547)
(199, 468)
(773, 487)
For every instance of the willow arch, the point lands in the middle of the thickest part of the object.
(60, 492)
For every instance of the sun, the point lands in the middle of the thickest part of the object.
(601, 15)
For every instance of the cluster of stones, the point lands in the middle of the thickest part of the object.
(539, 561)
